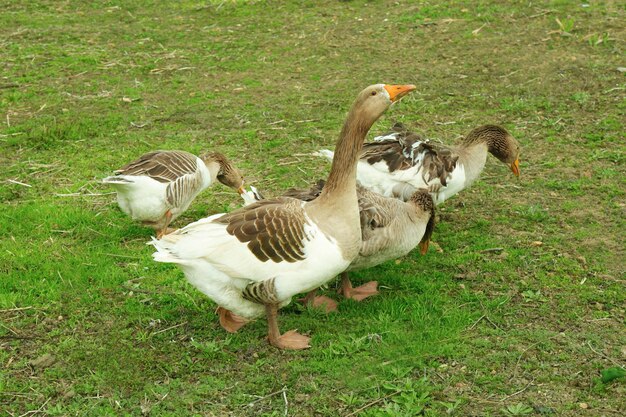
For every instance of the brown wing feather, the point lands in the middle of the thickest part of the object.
(409, 149)
(389, 151)
(306, 195)
(395, 152)
(374, 210)
(439, 161)
(182, 189)
(163, 166)
(273, 229)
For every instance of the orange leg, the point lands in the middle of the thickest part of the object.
(290, 340)
(164, 230)
(358, 293)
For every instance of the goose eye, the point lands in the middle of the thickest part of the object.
(373, 93)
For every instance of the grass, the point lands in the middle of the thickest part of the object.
(90, 325)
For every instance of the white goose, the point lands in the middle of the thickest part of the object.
(255, 259)
(400, 162)
(159, 186)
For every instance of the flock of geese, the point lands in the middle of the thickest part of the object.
(378, 203)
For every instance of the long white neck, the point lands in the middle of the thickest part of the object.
(212, 169)
(473, 158)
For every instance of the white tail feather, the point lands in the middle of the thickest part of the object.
(196, 240)
(164, 252)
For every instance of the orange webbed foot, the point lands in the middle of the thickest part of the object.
(328, 304)
(291, 340)
(361, 293)
(230, 321)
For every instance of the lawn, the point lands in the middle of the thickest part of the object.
(518, 308)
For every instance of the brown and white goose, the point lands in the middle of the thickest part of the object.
(255, 259)
(390, 229)
(400, 162)
(159, 186)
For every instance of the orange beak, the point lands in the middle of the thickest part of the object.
(423, 247)
(396, 92)
(241, 190)
(515, 167)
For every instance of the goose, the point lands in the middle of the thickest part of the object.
(400, 162)
(253, 260)
(390, 229)
(159, 186)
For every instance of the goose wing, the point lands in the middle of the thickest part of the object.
(306, 195)
(162, 166)
(402, 158)
(273, 229)
(376, 212)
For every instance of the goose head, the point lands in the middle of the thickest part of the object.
(372, 102)
(227, 174)
(500, 144)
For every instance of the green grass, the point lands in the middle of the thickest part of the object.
(530, 329)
